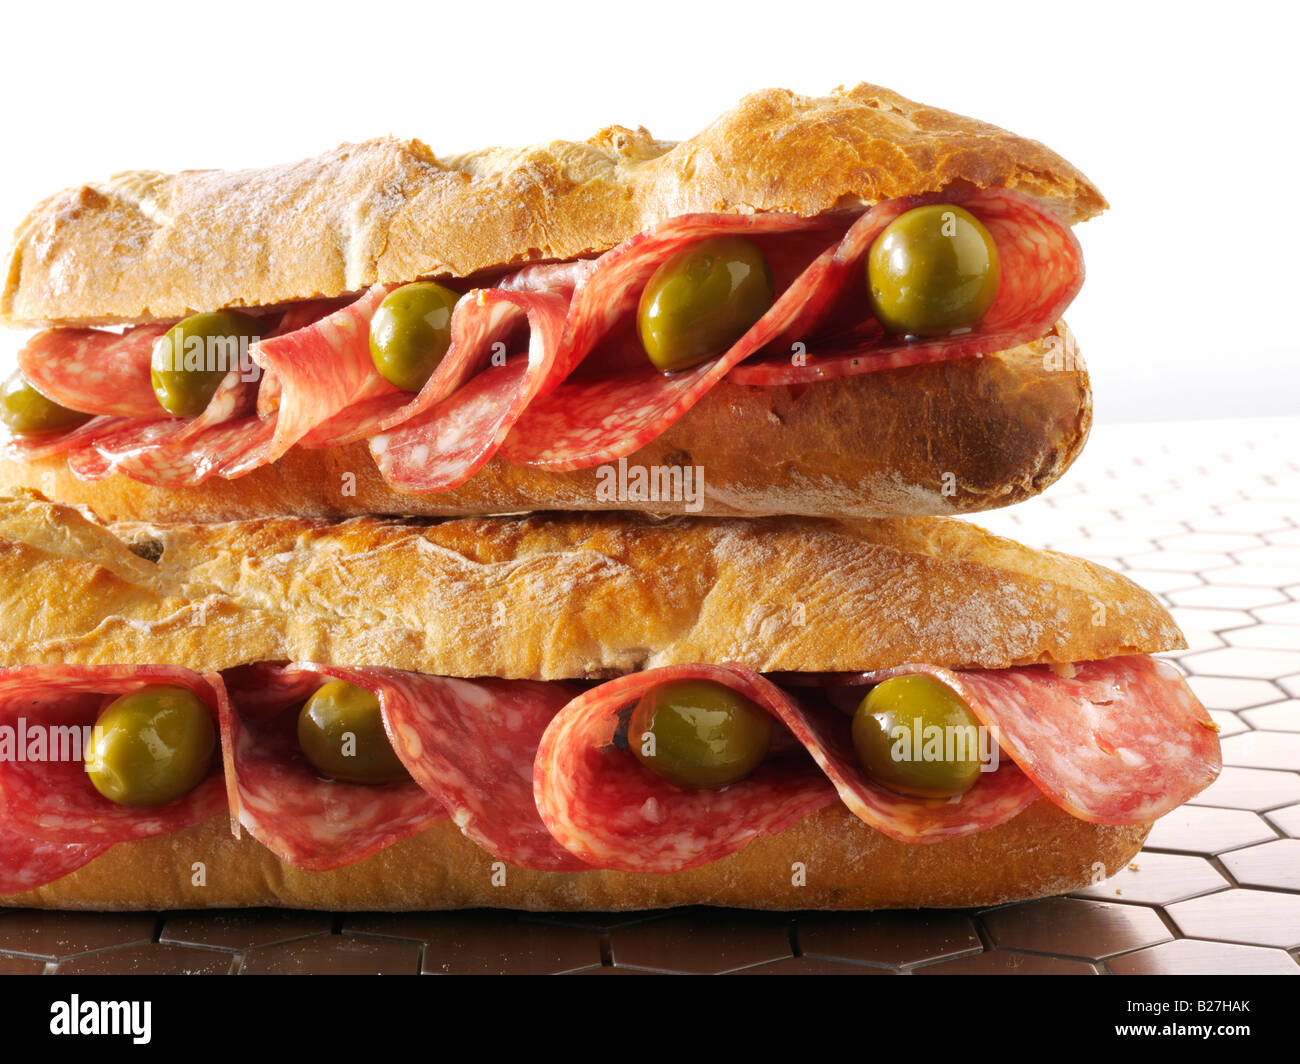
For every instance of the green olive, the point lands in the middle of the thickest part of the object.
(152, 746)
(341, 732)
(25, 410)
(702, 300)
(934, 271)
(895, 736)
(410, 333)
(697, 733)
(191, 359)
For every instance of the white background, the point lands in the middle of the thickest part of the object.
(1184, 115)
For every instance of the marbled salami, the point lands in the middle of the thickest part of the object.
(51, 798)
(603, 805)
(93, 370)
(471, 744)
(1118, 741)
(310, 822)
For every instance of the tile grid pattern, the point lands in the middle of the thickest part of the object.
(1206, 515)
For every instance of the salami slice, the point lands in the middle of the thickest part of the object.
(472, 743)
(93, 370)
(47, 795)
(453, 439)
(1118, 741)
(311, 823)
(33, 447)
(601, 804)
(27, 863)
(589, 420)
(1042, 272)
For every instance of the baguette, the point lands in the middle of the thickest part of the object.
(960, 424)
(146, 246)
(566, 597)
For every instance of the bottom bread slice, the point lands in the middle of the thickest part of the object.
(829, 860)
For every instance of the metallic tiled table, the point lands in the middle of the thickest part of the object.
(1205, 514)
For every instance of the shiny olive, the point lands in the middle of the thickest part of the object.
(152, 746)
(697, 733)
(895, 736)
(25, 410)
(341, 732)
(193, 356)
(702, 300)
(932, 272)
(410, 333)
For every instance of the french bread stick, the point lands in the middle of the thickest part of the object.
(563, 596)
(147, 246)
(555, 596)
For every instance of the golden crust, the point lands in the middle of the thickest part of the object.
(848, 865)
(556, 596)
(150, 246)
(945, 438)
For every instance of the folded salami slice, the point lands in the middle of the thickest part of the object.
(94, 370)
(310, 822)
(589, 420)
(1119, 741)
(27, 863)
(471, 744)
(452, 440)
(52, 816)
(603, 805)
(1042, 272)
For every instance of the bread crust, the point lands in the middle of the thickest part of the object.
(147, 246)
(944, 438)
(556, 596)
(848, 865)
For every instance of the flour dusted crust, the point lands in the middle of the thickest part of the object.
(848, 865)
(149, 246)
(948, 437)
(555, 596)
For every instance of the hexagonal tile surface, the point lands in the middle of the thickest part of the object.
(1286, 820)
(55, 935)
(1263, 749)
(334, 955)
(1253, 917)
(888, 938)
(1220, 693)
(1189, 956)
(1157, 878)
(701, 944)
(1250, 788)
(1075, 927)
(1243, 662)
(1205, 830)
(1001, 962)
(1274, 865)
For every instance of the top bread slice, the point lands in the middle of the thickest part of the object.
(146, 246)
(553, 596)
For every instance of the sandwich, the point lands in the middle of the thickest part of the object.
(839, 306)
(573, 711)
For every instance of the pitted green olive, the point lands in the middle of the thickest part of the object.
(191, 358)
(915, 735)
(697, 733)
(26, 411)
(151, 746)
(702, 300)
(341, 732)
(410, 333)
(932, 272)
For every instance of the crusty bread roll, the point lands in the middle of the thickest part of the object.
(570, 596)
(847, 866)
(550, 597)
(148, 246)
(947, 437)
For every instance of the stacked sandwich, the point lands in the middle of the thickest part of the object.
(268, 639)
